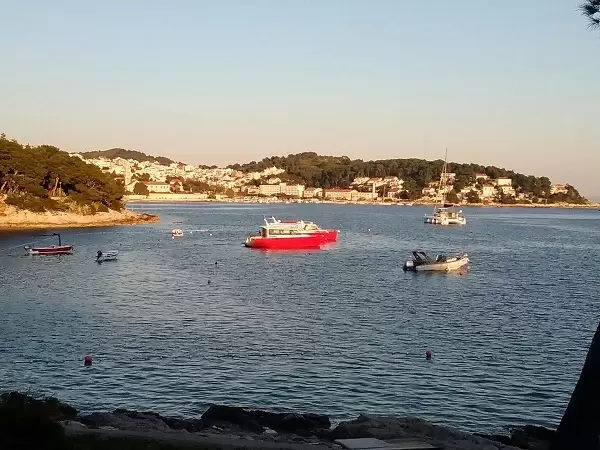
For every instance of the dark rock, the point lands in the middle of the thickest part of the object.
(257, 420)
(527, 437)
(496, 437)
(126, 420)
(532, 437)
(352, 429)
(231, 414)
(49, 407)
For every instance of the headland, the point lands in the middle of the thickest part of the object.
(12, 219)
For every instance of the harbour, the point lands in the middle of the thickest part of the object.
(336, 331)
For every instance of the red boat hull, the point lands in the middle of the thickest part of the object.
(54, 250)
(304, 241)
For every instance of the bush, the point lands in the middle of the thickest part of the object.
(35, 204)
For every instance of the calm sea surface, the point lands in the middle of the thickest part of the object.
(338, 331)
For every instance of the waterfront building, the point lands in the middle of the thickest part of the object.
(313, 192)
(341, 194)
(157, 186)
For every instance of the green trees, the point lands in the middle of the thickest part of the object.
(127, 154)
(473, 197)
(140, 189)
(452, 197)
(29, 176)
(591, 10)
(338, 171)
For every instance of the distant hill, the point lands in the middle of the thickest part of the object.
(127, 154)
(339, 171)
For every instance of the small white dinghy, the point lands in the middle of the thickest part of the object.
(421, 262)
(110, 255)
(177, 232)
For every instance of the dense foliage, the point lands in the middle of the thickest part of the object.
(46, 178)
(591, 10)
(126, 154)
(339, 171)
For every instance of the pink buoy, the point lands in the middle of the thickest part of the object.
(428, 354)
(87, 360)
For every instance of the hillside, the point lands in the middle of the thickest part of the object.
(126, 154)
(45, 178)
(316, 170)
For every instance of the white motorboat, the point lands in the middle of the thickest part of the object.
(110, 255)
(442, 263)
(177, 232)
(445, 213)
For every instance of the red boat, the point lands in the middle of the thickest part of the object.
(53, 250)
(290, 235)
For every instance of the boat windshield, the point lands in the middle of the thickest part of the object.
(420, 257)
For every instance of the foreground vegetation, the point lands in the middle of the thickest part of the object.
(326, 172)
(45, 178)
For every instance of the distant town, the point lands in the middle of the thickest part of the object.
(154, 180)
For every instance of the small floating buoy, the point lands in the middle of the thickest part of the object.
(216, 263)
(208, 282)
(87, 360)
(428, 355)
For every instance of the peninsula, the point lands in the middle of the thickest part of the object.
(44, 187)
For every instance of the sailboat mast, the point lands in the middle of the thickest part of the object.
(442, 186)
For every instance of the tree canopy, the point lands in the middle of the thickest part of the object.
(591, 10)
(127, 154)
(33, 177)
(339, 171)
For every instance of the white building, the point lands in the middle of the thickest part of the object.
(269, 189)
(488, 191)
(558, 189)
(157, 186)
(313, 192)
(292, 190)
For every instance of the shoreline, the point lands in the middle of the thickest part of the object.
(12, 219)
(236, 427)
(266, 201)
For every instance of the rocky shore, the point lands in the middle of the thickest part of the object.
(227, 427)
(12, 218)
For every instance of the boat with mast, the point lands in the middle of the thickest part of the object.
(445, 213)
(52, 250)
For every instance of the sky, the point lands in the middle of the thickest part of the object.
(511, 83)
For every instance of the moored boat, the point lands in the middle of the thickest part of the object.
(445, 214)
(177, 232)
(442, 263)
(52, 250)
(286, 235)
(110, 255)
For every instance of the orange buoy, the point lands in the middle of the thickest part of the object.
(87, 360)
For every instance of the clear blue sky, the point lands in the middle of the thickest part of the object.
(511, 83)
